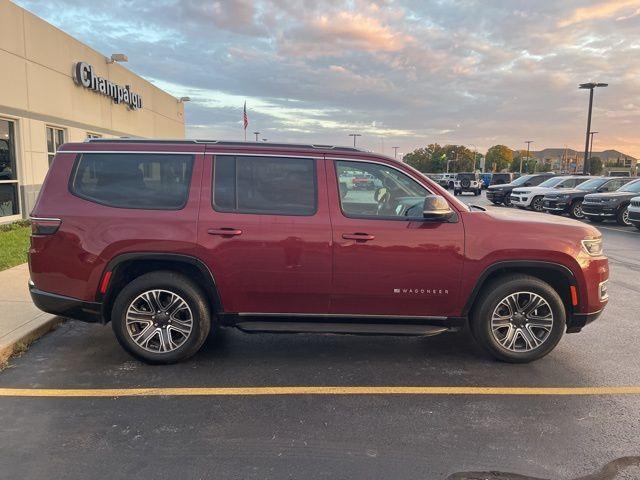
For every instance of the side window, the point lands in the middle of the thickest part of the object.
(611, 186)
(536, 181)
(372, 190)
(264, 185)
(570, 183)
(149, 181)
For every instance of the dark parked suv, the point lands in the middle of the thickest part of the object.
(611, 205)
(498, 194)
(169, 239)
(570, 201)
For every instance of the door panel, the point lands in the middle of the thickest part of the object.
(398, 266)
(266, 262)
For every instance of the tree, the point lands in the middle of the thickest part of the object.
(430, 159)
(498, 158)
(460, 158)
(529, 164)
(595, 166)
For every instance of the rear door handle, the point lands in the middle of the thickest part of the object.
(225, 231)
(362, 237)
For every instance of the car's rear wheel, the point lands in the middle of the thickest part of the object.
(537, 204)
(518, 319)
(161, 317)
(622, 217)
(576, 210)
(507, 200)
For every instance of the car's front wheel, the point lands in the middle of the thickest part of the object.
(537, 204)
(623, 216)
(161, 317)
(576, 210)
(518, 319)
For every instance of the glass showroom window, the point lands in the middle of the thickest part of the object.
(55, 138)
(8, 177)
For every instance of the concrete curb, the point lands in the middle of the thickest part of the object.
(26, 334)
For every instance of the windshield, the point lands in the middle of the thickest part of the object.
(522, 180)
(552, 182)
(633, 187)
(591, 184)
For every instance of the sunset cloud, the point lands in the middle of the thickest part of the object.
(405, 72)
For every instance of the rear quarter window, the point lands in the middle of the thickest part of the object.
(147, 181)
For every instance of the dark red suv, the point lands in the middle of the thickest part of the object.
(169, 239)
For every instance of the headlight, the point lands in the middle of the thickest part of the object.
(563, 197)
(592, 246)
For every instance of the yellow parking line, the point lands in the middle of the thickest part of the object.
(257, 391)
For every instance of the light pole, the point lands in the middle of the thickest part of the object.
(528, 142)
(591, 145)
(256, 134)
(395, 152)
(354, 135)
(590, 87)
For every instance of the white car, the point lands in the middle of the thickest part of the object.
(634, 212)
(531, 197)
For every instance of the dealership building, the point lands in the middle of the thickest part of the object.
(55, 89)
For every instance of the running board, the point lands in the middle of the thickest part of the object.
(340, 328)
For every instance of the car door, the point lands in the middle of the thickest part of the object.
(387, 260)
(264, 231)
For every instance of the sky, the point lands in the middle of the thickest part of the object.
(400, 73)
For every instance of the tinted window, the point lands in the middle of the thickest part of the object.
(145, 181)
(614, 185)
(536, 181)
(378, 191)
(268, 185)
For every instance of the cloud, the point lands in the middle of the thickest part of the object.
(411, 71)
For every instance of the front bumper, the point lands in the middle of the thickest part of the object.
(599, 210)
(495, 196)
(520, 201)
(556, 205)
(634, 216)
(66, 306)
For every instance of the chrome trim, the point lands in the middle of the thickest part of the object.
(45, 219)
(606, 297)
(336, 315)
(246, 154)
(132, 151)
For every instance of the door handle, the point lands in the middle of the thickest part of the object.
(225, 231)
(362, 237)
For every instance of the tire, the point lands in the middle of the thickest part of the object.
(477, 192)
(622, 217)
(537, 204)
(450, 185)
(595, 219)
(456, 192)
(158, 286)
(507, 200)
(524, 288)
(575, 211)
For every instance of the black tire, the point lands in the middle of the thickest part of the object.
(456, 192)
(595, 219)
(175, 283)
(488, 300)
(537, 204)
(622, 216)
(575, 211)
(507, 200)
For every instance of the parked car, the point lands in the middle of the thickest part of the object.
(467, 182)
(448, 180)
(169, 239)
(486, 180)
(570, 201)
(501, 178)
(533, 197)
(634, 212)
(498, 194)
(611, 205)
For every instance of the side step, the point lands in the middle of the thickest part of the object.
(340, 328)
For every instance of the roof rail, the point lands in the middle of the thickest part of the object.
(225, 142)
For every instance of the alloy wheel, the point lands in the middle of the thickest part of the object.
(625, 216)
(577, 210)
(159, 321)
(538, 203)
(522, 322)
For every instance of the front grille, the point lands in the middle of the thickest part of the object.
(635, 203)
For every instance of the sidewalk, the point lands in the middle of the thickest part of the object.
(20, 321)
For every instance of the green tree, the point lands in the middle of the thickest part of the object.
(430, 159)
(595, 166)
(498, 158)
(529, 164)
(460, 158)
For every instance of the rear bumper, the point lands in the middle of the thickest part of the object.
(579, 320)
(66, 306)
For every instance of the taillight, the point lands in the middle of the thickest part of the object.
(45, 226)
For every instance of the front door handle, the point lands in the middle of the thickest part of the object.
(225, 231)
(362, 237)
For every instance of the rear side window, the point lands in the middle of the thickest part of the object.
(264, 185)
(149, 181)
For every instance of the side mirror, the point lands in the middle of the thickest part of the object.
(436, 209)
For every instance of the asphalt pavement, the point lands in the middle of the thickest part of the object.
(342, 436)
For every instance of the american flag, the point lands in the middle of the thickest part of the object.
(245, 118)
